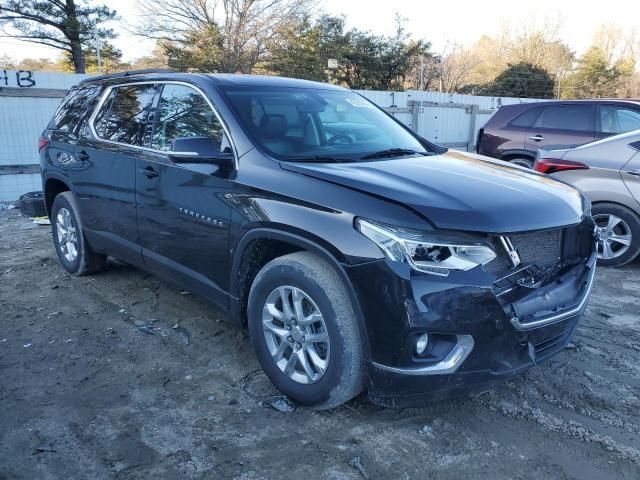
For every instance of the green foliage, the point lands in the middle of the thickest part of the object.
(110, 58)
(365, 61)
(64, 25)
(301, 49)
(596, 77)
(203, 51)
(522, 80)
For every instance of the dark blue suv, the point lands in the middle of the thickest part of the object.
(359, 255)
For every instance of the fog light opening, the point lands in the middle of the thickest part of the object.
(422, 343)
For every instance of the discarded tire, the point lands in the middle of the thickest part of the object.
(32, 204)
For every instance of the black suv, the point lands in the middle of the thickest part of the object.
(358, 254)
(516, 132)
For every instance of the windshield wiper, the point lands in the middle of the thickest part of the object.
(392, 152)
(322, 159)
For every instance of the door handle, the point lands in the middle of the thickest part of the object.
(83, 156)
(537, 138)
(634, 172)
(148, 172)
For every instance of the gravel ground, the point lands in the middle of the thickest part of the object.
(119, 375)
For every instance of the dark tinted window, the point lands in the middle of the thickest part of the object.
(182, 113)
(527, 118)
(123, 115)
(78, 103)
(568, 117)
(614, 119)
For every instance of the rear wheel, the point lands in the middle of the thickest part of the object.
(74, 252)
(619, 230)
(304, 330)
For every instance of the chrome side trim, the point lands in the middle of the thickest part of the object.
(183, 154)
(450, 364)
(558, 317)
(107, 91)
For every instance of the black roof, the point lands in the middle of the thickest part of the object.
(584, 100)
(228, 79)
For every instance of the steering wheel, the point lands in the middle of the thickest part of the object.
(341, 136)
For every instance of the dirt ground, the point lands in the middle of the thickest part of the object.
(119, 375)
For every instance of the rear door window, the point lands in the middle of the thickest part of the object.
(616, 119)
(568, 117)
(183, 113)
(123, 115)
(75, 107)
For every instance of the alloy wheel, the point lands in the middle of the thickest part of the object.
(615, 236)
(67, 236)
(296, 334)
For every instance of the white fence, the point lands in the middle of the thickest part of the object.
(29, 99)
(27, 103)
(448, 119)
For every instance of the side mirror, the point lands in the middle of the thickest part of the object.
(200, 150)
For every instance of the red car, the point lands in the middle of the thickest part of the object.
(516, 132)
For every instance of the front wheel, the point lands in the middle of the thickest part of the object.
(304, 330)
(72, 248)
(523, 162)
(619, 232)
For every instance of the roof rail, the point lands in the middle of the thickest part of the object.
(128, 73)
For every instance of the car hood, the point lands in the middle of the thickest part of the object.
(459, 191)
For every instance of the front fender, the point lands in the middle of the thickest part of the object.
(303, 241)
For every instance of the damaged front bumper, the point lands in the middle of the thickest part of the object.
(477, 337)
(557, 301)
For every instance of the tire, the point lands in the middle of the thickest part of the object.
(32, 205)
(628, 226)
(522, 162)
(85, 261)
(311, 276)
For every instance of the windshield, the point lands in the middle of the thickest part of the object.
(302, 124)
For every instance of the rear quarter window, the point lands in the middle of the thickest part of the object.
(527, 118)
(618, 119)
(76, 106)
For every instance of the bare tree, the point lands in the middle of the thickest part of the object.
(617, 43)
(533, 41)
(424, 72)
(7, 62)
(245, 26)
(456, 68)
(59, 24)
(621, 50)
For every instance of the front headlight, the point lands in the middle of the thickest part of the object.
(427, 252)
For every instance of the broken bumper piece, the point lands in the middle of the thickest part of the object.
(476, 338)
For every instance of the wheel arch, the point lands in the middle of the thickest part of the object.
(512, 154)
(52, 187)
(619, 200)
(251, 255)
(633, 250)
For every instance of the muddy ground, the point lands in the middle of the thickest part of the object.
(95, 382)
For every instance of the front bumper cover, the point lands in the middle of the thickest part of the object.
(490, 341)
